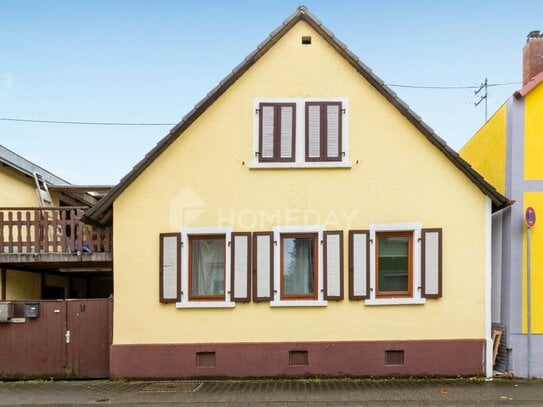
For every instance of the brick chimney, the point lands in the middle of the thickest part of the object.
(532, 56)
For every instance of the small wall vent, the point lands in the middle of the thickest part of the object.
(394, 357)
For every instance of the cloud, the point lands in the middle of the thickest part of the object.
(6, 83)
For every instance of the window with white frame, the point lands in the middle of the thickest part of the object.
(395, 264)
(301, 132)
(205, 267)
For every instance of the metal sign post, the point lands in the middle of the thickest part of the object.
(530, 222)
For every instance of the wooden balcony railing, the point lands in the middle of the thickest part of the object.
(51, 230)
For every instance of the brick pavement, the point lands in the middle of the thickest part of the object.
(297, 393)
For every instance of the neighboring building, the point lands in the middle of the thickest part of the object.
(301, 220)
(508, 152)
(37, 258)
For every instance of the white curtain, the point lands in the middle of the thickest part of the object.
(208, 266)
(298, 265)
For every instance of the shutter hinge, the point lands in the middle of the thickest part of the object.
(371, 241)
(257, 153)
(343, 153)
(343, 110)
(229, 243)
(275, 242)
(322, 241)
(257, 111)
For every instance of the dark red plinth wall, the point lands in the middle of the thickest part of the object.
(325, 359)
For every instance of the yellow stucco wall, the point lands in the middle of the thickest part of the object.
(16, 190)
(485, 151)
(397, 177)
(22, 285)
(535, 200)
(533, 134)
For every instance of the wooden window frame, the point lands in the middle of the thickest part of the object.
(276, 132)
(191, 296)
(388, 294)
(324, 132)
(315, 294)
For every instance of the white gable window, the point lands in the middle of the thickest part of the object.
(301, 133)
(395, 264)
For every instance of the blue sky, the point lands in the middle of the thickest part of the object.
(151, 61)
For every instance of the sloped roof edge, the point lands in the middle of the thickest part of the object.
(27, 167)
(99, 212)
(530, 85)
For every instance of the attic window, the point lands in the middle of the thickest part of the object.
(306, 40)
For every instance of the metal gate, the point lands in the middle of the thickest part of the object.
(69, 338)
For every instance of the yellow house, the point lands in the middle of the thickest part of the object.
(301, 220)
(507, 150)
(32, 202)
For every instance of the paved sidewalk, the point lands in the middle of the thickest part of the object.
(297, 393)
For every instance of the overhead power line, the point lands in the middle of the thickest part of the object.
(87, 123)
(450, 87)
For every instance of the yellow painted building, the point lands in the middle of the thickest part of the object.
(507, 151)
(297, 222)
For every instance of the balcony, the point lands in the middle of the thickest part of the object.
(52, 235)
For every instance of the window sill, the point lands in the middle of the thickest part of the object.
(205, 304)
(395, 301)
(255, 165)
(299, 303)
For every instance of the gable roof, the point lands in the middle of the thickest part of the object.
(530, 85)
(102, 211)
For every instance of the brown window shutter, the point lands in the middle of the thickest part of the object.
(241, 266)
(170, 267)
(267, 130)
(286, 132)
(333, 131)
(431, 263)
(263, 266)
(333, 265)
(359, 264)
(277, 132)
(323, 131)
(313, 130)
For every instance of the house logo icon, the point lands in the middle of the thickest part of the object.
(185, 208)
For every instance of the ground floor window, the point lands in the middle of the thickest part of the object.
(207, 267)
(299, 266)
(394, 264)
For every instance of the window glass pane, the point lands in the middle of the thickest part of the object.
(393, 263)
(298, 267)
(207, 261)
